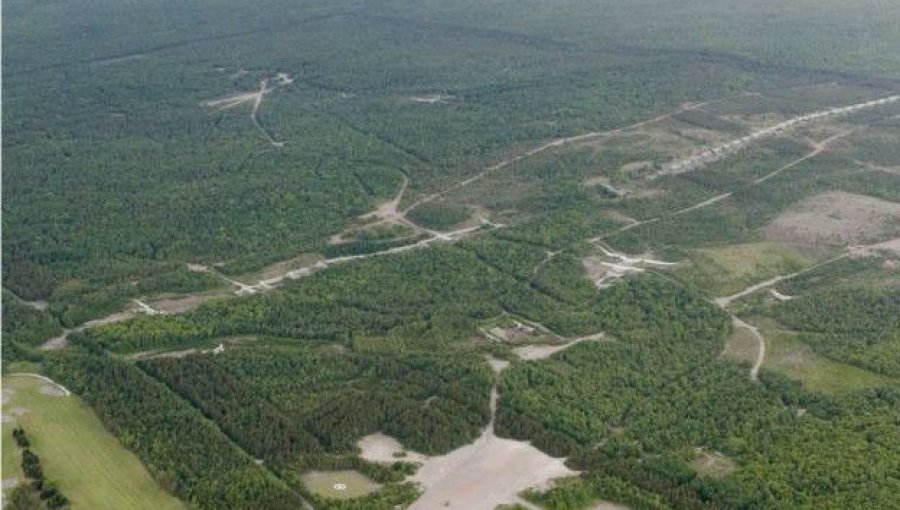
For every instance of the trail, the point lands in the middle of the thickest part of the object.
(760, 352)
(700, 205)
(228, 102)
(391, 208)
(295, 274)
(553, 144)
(145, 308)
(537, 352)
(718, 152)
(724, 301)
(388, 211)
(818, 148)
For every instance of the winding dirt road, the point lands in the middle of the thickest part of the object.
(761, 350)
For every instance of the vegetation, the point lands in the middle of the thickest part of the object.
(186, 453)
(79, 459)
(299, 402)
(25, 324)
(122, 172)
(855, 325)
(439, 215)
(638, 407)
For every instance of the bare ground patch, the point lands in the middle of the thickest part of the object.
(834, 220)
(383, 448)
(713, 464)
(489, 472)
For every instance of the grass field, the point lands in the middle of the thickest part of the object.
(339, 484)
(91, 467)
(786, 354)
(729, 269)
(741, 346)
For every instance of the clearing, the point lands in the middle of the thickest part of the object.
(742, 345)
(91, 467)
(608, 266)
(789, 355)
(712, 464)
(535, 352)
(823, 222)
(383, 448)
(728, 269)
(346, 484)
(489, 472)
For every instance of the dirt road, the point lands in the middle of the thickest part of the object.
(761, 350)
(718, 152)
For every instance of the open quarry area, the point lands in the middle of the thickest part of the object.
(464, 255)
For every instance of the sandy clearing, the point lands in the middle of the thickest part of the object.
(835, 219)
(488, 472)
(388, 211)
(385, 449)
(536, 352)
(497, 365)
(604, 272)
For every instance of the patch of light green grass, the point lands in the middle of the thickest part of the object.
(339, 484)
(787, 354)
(91, 467)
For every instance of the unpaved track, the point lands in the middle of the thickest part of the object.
(724, 301)
(761, 350)
(818, 148)
(393, 206)
(537, 352)
(234, 100)
(553, 144)
(718, 152)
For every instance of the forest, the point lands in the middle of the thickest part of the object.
(233, 219)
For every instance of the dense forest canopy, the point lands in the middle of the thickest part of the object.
(250, 234)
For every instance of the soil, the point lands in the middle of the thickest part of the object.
(823, 222)
(535, 352)
(385, 449)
